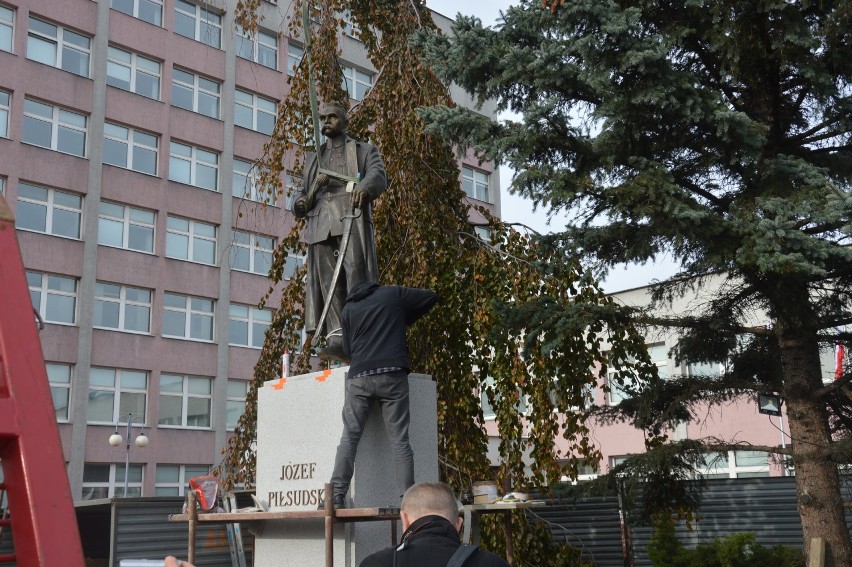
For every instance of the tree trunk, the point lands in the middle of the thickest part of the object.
(817, 481)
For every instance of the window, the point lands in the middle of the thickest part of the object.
(292, 186)
(193, 166)
(294, 57)
(190, 240)
(261, 47)
(54, 297)
(252, 252)
(586, 470)
(254, 112)
(198, 23)
(5, 103)
(356, 82)
(735, 464)
(115, 393)
(59, 376)
(7, 28)
(483, 232)
(133, 72)
(54, 128)
(246, 183)
(185, 401)
(706, 369)
(150, 11)
(58, 47)
(349, 27)
(48, 211)
(107, 481)
(247, 325)
(187, 317)
(122, 308)
(487, 409)
(2, 185)
(195, 93)
(292, 265)
(475, 184)
(125, 227)
(236, 404)
(659, 357)
(130, 149)
(173, 480)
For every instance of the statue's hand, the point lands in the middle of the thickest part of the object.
(360, 199)
(299, 208)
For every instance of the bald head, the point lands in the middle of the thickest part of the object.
(430, 498)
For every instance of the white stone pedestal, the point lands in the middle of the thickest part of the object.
(298, 429)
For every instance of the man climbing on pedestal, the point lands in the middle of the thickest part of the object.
(374, 322)
(342, 183)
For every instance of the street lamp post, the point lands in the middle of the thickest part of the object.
(141, 441)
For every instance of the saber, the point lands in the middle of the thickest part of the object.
(344, 243)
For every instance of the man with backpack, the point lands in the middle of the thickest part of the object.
(431, 524)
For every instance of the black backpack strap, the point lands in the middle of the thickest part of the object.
(462, 553)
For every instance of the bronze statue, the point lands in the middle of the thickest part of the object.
(342, 183)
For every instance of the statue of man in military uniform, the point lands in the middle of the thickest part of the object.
(342, 182)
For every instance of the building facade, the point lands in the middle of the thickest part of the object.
(128, 134)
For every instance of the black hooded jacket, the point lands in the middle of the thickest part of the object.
(430, 542)
(374, 321)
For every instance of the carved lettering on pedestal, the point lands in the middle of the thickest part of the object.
(302, 497)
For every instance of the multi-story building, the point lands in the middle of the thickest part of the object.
(128, 131)
(737, 422)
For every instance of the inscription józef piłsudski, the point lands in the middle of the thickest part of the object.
(296, 497)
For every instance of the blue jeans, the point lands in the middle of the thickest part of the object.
(391, 392)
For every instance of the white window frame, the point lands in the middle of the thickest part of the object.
(185, 473)
(255, 107)
(246, 183)
(185, 395)
(51, 206)
(3, 186)
(477, 179)
(197, 158)
(351, 81)
(117, 389)
(61, 44)
(292, 186)
(115, 484)
(729, 467)
(268, 40)
(200, 15)
(194, 233)
(134, 12)
(45, 291)
(293, 263)
(198, 90)
(8, 21)
(256, 321)
(57, 121)
(489, 414)
(127, 220)
(616, 394)
(123, 304)
(132, 143)
(253, 246)
(191, 313)
(60, 376)
(5, 110)
(234, 401)
(136, 66)
(295, 53)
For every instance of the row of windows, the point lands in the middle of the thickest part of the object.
(125, 308)
(184, 401)
(56, 128)
(69, 50)
(102, 480)
(59, 213)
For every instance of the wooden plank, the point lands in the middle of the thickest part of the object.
(816, 554)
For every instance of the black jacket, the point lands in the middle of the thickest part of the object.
(430, 542)
(374, 321)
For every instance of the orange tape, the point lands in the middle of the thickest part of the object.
(280, 384)
(324, 376)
